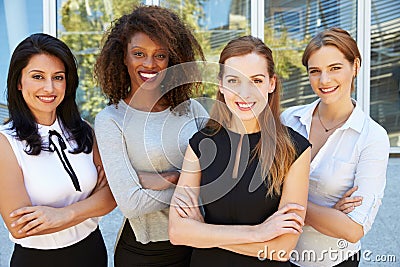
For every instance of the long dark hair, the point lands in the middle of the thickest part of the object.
(21, 117)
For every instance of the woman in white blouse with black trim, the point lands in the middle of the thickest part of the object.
(349, 155)
(52, 187)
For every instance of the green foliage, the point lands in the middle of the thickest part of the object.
(84, 23)
(287, 52)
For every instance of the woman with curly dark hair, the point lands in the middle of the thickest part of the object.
(144, 131)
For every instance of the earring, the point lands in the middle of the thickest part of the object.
(222, 92)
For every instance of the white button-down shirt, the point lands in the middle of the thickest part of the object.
(356, 154)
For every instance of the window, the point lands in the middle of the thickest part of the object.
(385, 67)
(13, 29)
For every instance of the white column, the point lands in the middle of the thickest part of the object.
(50, 17)
(364, 44)
(257, 18)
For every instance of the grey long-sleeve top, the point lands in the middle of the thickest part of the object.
(131, 140)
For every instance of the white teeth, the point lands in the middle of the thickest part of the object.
(148, 75)
(47, 98)
(245, 105)
(327, 90)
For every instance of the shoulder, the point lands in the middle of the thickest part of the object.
(6, 130)
(198, 136)
(205, 134)
(111, 112)
(196, 107)
(300, 142)
(292, 111)
(8, 139)
(375, 128)
(291, 116)
(375, 132)
(199, 113)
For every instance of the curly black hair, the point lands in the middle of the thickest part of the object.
(162, 26)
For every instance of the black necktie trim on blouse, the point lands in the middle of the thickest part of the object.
(64, 160)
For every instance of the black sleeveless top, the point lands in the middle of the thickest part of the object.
(234, 201)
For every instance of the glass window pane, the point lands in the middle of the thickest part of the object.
(215, 22)
(385, 67)
(289, 25)
(13, 29)
(81, 24)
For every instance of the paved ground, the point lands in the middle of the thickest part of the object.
(380, 247)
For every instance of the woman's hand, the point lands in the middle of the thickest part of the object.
(347, 203)
(158, 181)
(35, 219)
(283, 221)
(187, 205)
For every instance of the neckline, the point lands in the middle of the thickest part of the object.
(244, 134)
(43, 130)
(167, 110)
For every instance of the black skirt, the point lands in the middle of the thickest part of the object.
(89, 252)
(131, 253)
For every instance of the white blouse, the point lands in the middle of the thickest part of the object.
(47, 183)
(356, 154)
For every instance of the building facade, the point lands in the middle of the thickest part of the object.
(285, 25)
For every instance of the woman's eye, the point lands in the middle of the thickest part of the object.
(37, 76)
(336, 68)
(257, 81)
(138, 54)
(232, 81)
(313, 71)
(59, 77)
(161, 56)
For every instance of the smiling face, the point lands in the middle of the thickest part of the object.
(145, 59)
(43, 85)
(245, 85)
(331, 74)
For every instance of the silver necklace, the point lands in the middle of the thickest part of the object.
(323, 126)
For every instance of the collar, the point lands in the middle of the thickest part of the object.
(355, 121)
(43, 130)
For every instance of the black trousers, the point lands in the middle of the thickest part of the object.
(89, 252)
(131, 253)
(352, 261)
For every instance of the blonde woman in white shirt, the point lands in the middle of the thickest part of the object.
(349, 155)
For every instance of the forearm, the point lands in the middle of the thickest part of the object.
(184, 231)
(158, 181)
(98, 204)
(277, 249)
(133, 200)
(332, 222)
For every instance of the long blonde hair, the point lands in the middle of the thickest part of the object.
(274, 166)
